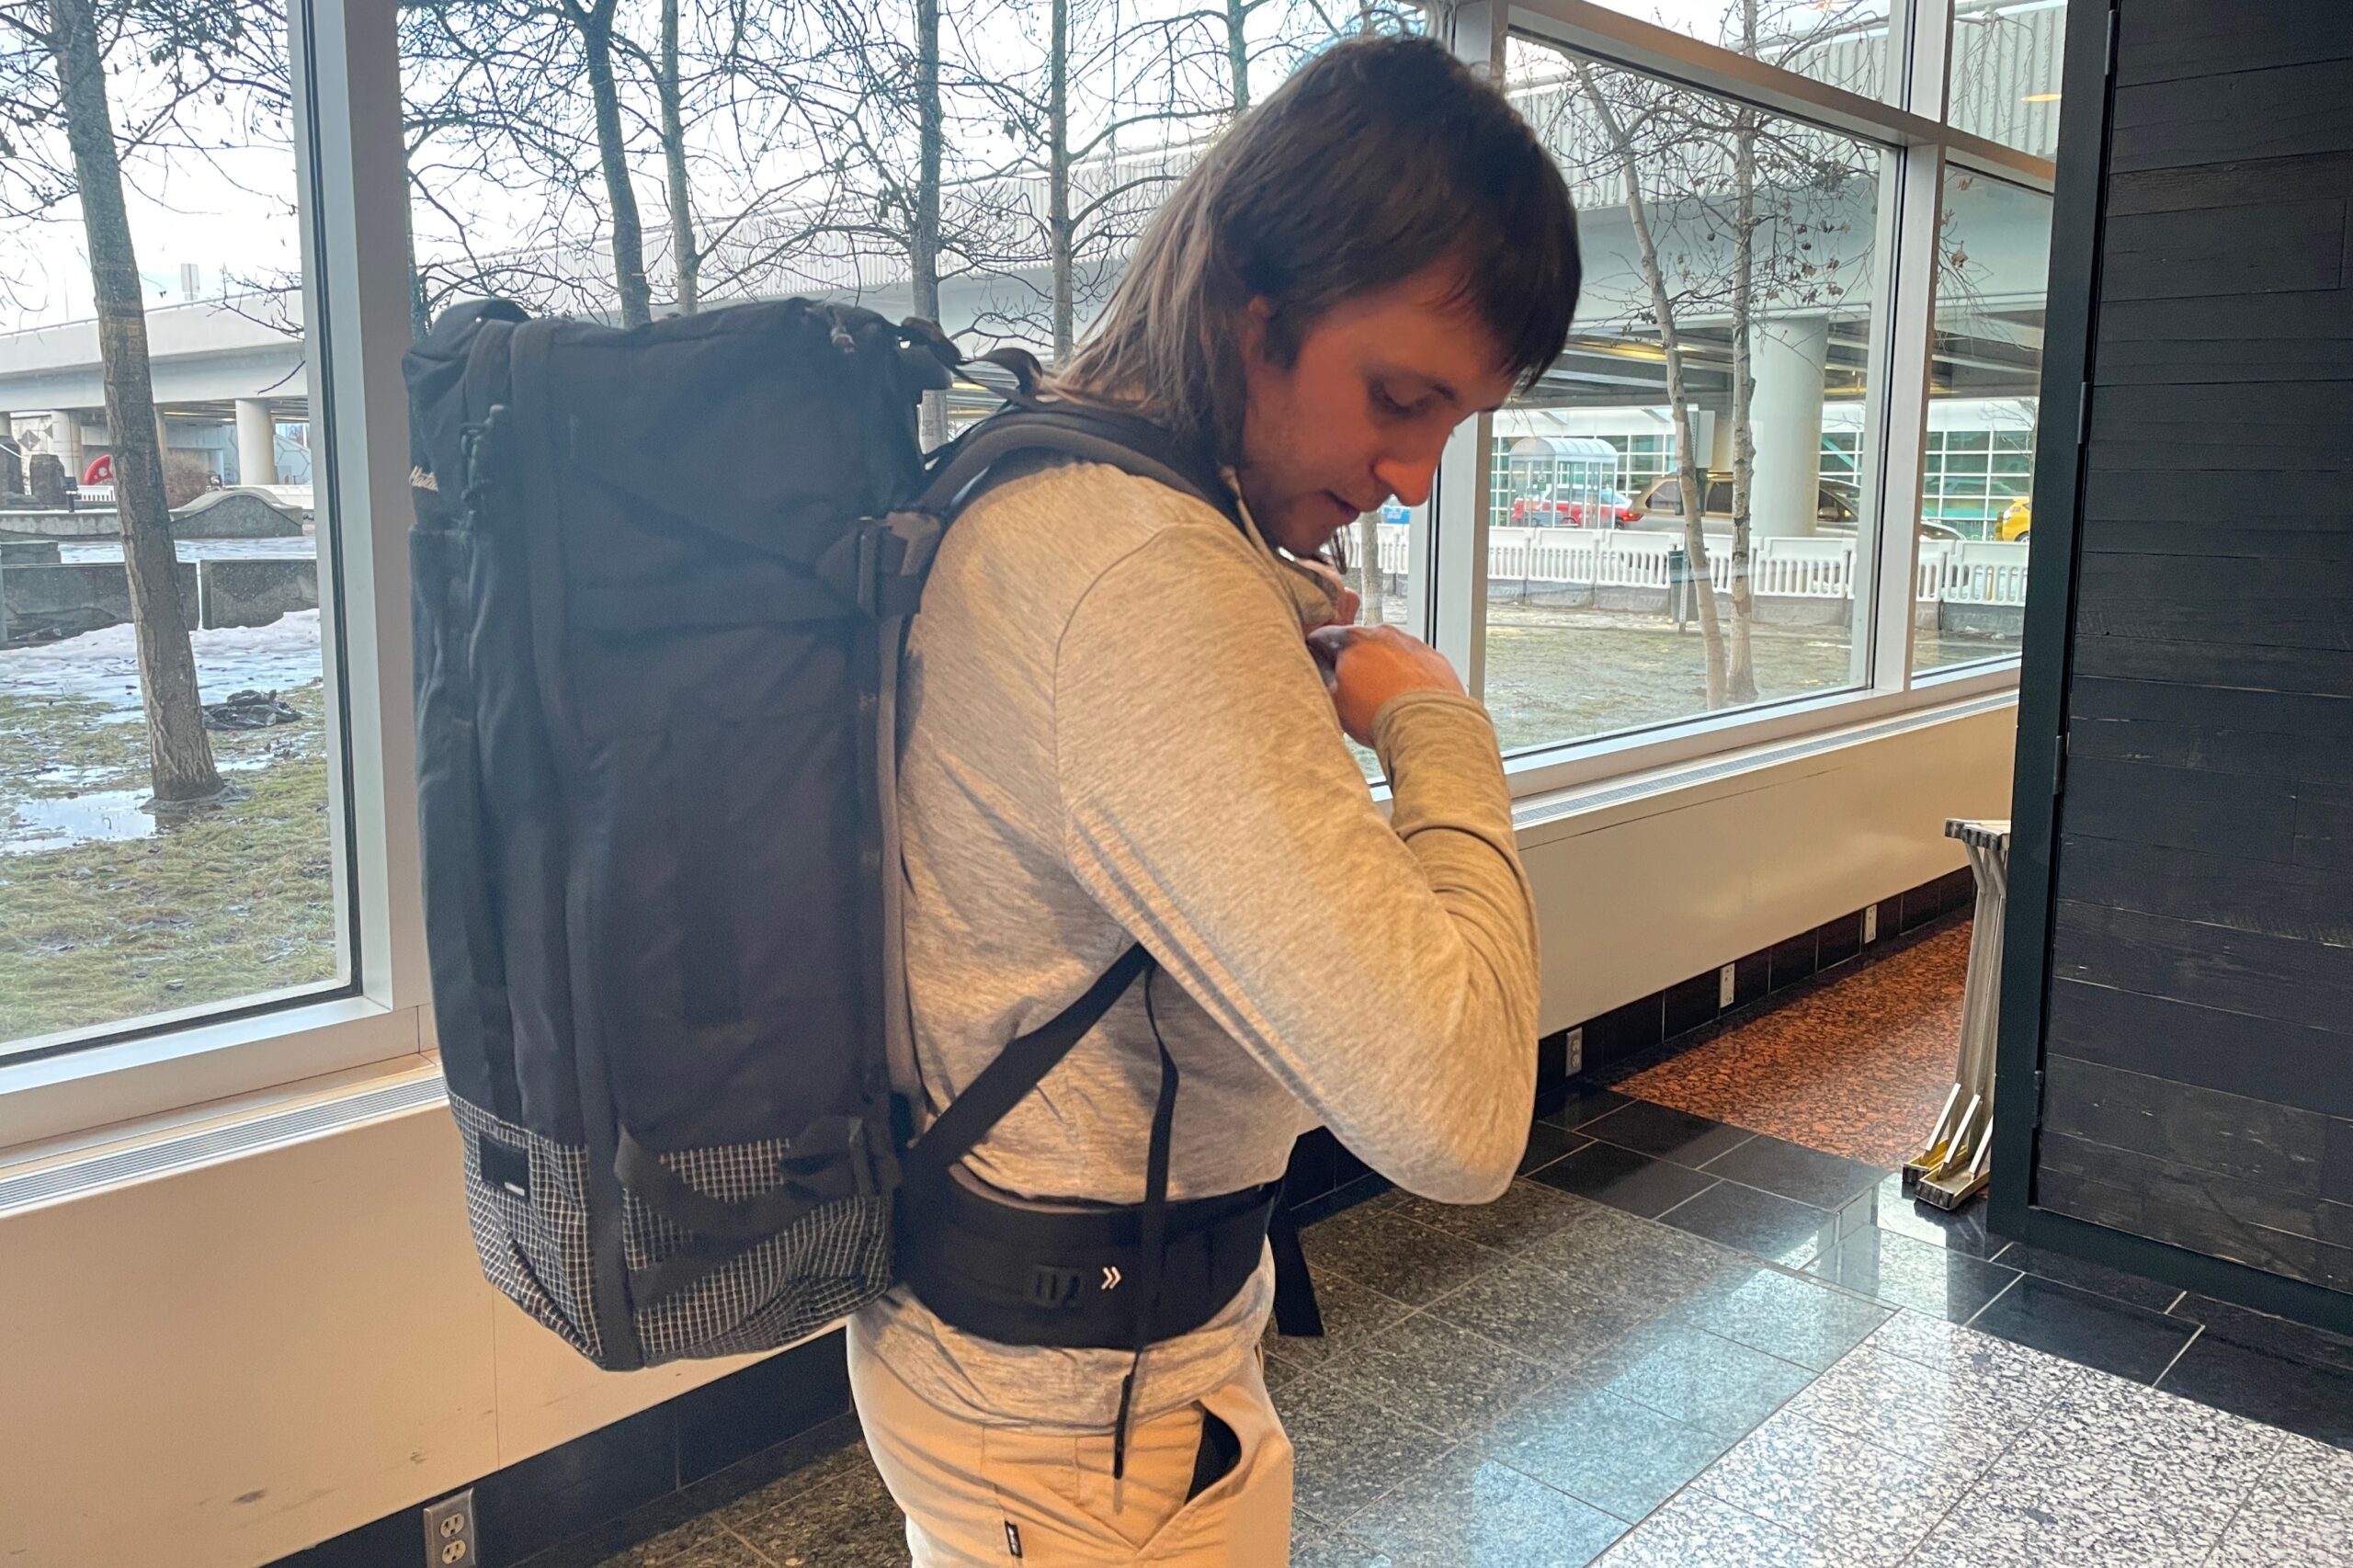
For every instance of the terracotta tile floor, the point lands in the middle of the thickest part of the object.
(1858, 1068)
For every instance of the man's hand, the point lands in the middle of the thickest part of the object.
(1364, 666)
(1345, 603)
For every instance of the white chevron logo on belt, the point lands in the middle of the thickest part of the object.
(1111, 1277)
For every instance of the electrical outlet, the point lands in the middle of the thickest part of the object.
(1727, 986)
(449, 1541)
(1871, 923)
(1576, 1050)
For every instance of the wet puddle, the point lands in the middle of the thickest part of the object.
(105, 815)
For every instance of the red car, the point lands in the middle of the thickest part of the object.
(1619, 509)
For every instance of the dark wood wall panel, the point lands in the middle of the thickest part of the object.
(2197, 1083)
(2178, 38)
(2287, 112)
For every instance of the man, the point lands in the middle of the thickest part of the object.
(1120, 728)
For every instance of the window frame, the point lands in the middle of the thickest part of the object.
(353, 203)
(1890, 460)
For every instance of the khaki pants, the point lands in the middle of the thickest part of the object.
(984, 1496)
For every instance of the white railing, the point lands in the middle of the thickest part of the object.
(1818, 568)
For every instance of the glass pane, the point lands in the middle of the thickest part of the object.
(165, 844)
(1996, 246)
(2005, 59)
(1842, 42)
(1592, 629)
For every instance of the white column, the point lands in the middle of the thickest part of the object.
(257, 442)
(1785, 490)
(65, 439)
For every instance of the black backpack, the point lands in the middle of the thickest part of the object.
(661, 579)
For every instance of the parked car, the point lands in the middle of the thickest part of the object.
(1835, 514)
(1618, 507)
(2018, 521)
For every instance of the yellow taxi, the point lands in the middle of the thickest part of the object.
(2018, 520)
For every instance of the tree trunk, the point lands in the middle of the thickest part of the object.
(1237, 52)
(686, 258)
(1691, 475)
(1741, 677)
(1059, 238)
(1371, 585)
(179, 753)
(922, 239)
(595, 29)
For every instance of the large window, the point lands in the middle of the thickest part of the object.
(2006, 56)
(1841, 42)
(1993, 264)
(1727, 310)
(166, 727)
(1814, 257)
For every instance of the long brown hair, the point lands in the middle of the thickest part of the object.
(1379, 158)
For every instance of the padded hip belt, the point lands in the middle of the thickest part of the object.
(1068, 1279)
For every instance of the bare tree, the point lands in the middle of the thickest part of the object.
(1739, 220)
(62, 62)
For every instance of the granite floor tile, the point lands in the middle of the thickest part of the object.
(1776, 1229)
(1948, 1348)
(1390, 1254)
(1526, 1212)
(1587, 1102)
(1905, 1271)
(850, 1458)
(1552, 1319)
(1352, 1312)
(700, 1543)
(1623, 1179)
(1697, 1378)
(1791, 1170)
(1608, 1246)
(1667, 1134)
(1962, 1230)
(2316, 1401)
(1953, 1421)
(2113, 1460)
(1782, 1315)
(1443, 1376)
(1471, 1510)
(1695, 1530)
(1546, 1144)
(2300, 1511)
(848, 1522)
(1314, 1547)
(1348, 1450)
(2113, 1283)
(1624, 1459)
(2096, 1331)
(2260, 1331)
(1854, 1497)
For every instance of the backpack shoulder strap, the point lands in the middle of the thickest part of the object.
(1124, 441)
(1020, 1067)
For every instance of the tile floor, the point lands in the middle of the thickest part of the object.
(1678, 1344)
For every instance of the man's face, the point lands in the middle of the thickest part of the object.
(1364, 411)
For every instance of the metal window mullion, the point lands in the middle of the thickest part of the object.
(1454, 544)
(1926, 67)
(1903, 347)
(353, 200)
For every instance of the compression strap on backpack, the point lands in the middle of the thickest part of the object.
(1021, 1066)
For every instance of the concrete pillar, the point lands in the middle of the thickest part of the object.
(1785, 491)
(63, 437)
(1714, 433)
(257, 442)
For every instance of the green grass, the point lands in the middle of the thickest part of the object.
(233, 900)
